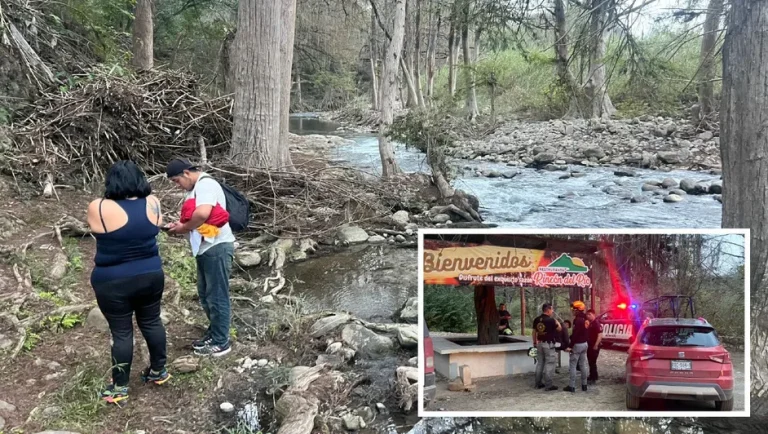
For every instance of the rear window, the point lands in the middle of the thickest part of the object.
(680, 336)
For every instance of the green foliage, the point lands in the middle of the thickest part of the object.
(333, 89)
(52, 297)
(179, 264)
(449, 309)
(79, 400)
(75, 263)
(67, 321)
(107, 23)
(31, 340)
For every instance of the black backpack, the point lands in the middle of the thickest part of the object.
(238, 207)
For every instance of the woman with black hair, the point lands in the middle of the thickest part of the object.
(128, 275)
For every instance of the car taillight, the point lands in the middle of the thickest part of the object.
(641, 355)
(720, 358)
(429, 362)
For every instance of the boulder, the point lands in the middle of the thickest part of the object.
(401, 217)
(410, 311)
(376, 239)
(96, 320)
(544, 158)
(353, 422)
(6, 407)
(441, 218)
(688, 185)
(57, 269)
(326, 325)
(594, 152)
(701, 188)
(670, 157)
(673, 198)
(640, 199)
(716, 187)
(352, 235)
(669, 183)
(247, 258)
(625, 172)
(185, 365)
(408, 337)
(650, 187)
(366, 342)
(678, 192)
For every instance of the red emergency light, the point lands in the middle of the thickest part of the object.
(622, 305)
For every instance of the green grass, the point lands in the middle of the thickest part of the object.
(78, 400)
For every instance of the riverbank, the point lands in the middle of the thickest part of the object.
(285, 345)
(646, 142)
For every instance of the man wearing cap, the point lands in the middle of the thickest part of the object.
(578, 347)
(213, 252)
(545, 331)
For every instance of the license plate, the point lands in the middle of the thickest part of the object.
(681, 365)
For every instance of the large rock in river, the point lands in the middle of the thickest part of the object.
(323, 326)
(352, 235)
(366, 342)
(410, 311)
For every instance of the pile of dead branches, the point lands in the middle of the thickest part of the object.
(312, 201)
(148, 118)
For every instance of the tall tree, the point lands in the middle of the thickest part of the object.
(469, 73)
(258, 87)
(417, 56)
(453, 47)
(744, 152)
(373, 62)
(287, 34)
(487, 315)
(708, 50)
(592, 100)
(143, 36)
(392, 60)
(434, 31)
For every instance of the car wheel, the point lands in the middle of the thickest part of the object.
(633, 402)
(724, 405)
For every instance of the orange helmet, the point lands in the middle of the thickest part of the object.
(578, 305)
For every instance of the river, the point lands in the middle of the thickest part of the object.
(538, 198)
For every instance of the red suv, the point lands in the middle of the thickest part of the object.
(429, 368)
(680, 359)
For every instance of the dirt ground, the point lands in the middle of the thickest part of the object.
(516, 393)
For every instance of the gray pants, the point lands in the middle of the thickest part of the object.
(545, 365)
(579, 357)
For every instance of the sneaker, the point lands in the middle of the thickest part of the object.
(214, 350)
(158, 378)
(114, 394)
(202, 343)
(584, 387)
(569, 389)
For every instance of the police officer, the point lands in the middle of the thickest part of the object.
(545, 335)
(578, 347)
(595, 336)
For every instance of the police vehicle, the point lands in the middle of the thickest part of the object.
(622, 322)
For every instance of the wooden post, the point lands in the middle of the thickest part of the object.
(522, 311)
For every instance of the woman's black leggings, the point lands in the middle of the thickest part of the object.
(118, 299)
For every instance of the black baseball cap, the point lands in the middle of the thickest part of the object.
(177, 166)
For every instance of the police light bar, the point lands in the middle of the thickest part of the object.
(633, 306)
(622, 305)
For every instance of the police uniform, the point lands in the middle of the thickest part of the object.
(546, 337)
(579, 347)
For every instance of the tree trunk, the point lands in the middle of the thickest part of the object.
(487, 315)
(708, 50)
(412, 100)
(434, 31)
(594, 101)
(417, 57)
(389, 167)
(453, 52)
(297, 74)
(287, 34)
(469, 74)
(374, 80)
(257, 109)
(744, 152)
(561, 44)
(143, 36)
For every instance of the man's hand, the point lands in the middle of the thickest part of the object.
(177, 228)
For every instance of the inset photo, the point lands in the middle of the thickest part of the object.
(583, 323)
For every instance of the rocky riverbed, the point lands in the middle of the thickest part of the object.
(648, 142)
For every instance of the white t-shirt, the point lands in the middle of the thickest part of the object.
(207, 191)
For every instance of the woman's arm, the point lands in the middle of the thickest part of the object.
(93, 217)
